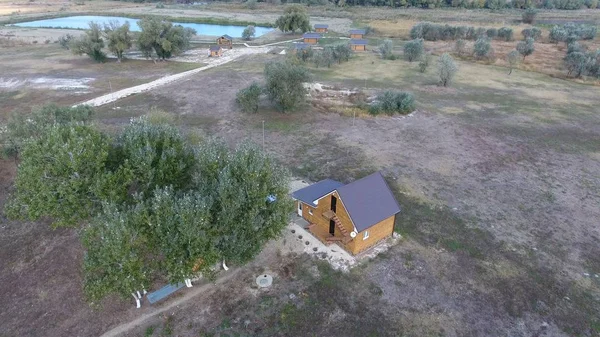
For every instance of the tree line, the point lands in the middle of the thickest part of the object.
(149, 204)
(158, 39)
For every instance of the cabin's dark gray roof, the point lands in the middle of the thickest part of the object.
(357, 31)
(227, 37)
(368, 201)
(215, 48)
(311, 36)
(359, 42)
(315, 191)
(301, 45)
(321, 25)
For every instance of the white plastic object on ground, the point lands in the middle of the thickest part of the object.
(137, 301)
(225, 266)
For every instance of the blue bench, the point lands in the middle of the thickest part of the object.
(163, 292)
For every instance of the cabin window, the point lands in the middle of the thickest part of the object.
(366, 235)
(310, 211)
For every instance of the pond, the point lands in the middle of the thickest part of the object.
(81, 22)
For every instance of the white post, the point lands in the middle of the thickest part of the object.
(188, 283)
(137, 301)
(139, 295)
(225, 266)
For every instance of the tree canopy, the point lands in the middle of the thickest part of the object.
(91, 43)
(284, 84)
(163, 39)
(294, 18)
(118, 38)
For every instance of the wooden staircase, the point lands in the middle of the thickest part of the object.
(345, 235)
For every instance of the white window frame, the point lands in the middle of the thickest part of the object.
(365, 235)
(310, 211)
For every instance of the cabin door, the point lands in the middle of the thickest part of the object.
(333, 208)
(299, 208)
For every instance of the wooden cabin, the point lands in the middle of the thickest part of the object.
(321, 28)
(356, 216)
(311, 38)
(225, 41)
(358, 45)
(215, 51)
(357, 33)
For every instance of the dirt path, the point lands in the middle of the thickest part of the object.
(195, 291)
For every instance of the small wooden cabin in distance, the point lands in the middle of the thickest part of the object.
(357, 33)
(215, 51)
(358, 44)
(225, 41)
(311, 38)
(321, 28)
(357, 215)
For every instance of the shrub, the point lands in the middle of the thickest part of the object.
(65, 40)
(480, 32)
(424, 62)
(526, 47)
(470, 34)
(447, 68)
(251, 4)
(460, 46)
(492, 33)
(495, 4)
(90, 44)
(413, 49)
(534, 33)
(385, 49)
(592, 4)
(391, 102)
(505, 33)
(482, 48)
(249, 97)
(529, 15)
(248, 33)
(285, 84)
(568, 4)
(512, 58)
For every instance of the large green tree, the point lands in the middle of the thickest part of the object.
(58, 174)
(294, 18)
(285, 84)
(161, 38)
(91, 43)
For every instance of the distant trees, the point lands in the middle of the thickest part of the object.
(526, 47)
(284, 84)
(249, 97)
(512, 58)
(65, 41)
(505, 34)
(529, 15)
(391, 102)
(90, 44)
(447, 68)
(294, 18)
(413, 49)
(433, 32)
(385, 50)
(153, 206)
(118, 38)
(248, 33)
(163, 39)
(534, 33)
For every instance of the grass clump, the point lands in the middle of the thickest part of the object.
(393, 102)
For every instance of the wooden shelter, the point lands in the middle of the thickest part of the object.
(215, 51)
(321, 28)
(311, 38)
(358, 45)
(356, 216)
(357, 33)
(225, 41)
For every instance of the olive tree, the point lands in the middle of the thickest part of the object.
(294, 18)
(285, 84)
(513, 59)
(577, 63)
(90, 43)
(482, 48)
(460, 46)
(447, 68)
(118, 38)
(249, 97)
(58, 174)
(413, 49)
(385, 50)
(529, 15)
(324, 57)
(163, 39)
(534, 33)
(248, 33)
(526, 47)
(424, 62)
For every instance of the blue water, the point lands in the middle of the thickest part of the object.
(81, 22)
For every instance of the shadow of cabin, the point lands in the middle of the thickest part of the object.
(356, 216)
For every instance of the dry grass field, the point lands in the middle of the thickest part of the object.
(498, 177)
